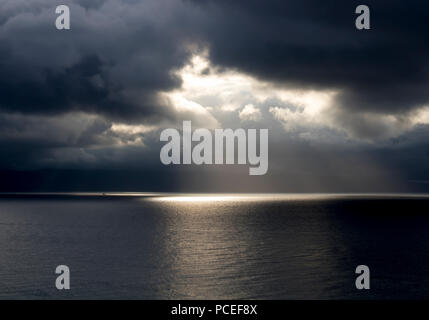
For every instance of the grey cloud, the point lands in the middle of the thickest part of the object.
(115, 61)
(315, 44)
(129, 50)
(120, 55)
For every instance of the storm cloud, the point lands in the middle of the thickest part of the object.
(115, 61)
(338, 101)
(315, 44)
(121, 54)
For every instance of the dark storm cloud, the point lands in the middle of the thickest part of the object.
(115, 61)
(315, 44)
(62, 91)
(120, 54)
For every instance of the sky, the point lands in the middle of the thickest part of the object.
(82, 109)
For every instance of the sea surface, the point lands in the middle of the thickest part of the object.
(182, 246)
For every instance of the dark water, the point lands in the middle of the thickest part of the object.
(174, 247)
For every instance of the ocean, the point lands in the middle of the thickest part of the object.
(183, 246)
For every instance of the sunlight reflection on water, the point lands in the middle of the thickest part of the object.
(214, 246)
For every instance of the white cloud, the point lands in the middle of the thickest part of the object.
(191, 110)
(218, 96)
(250, 113)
